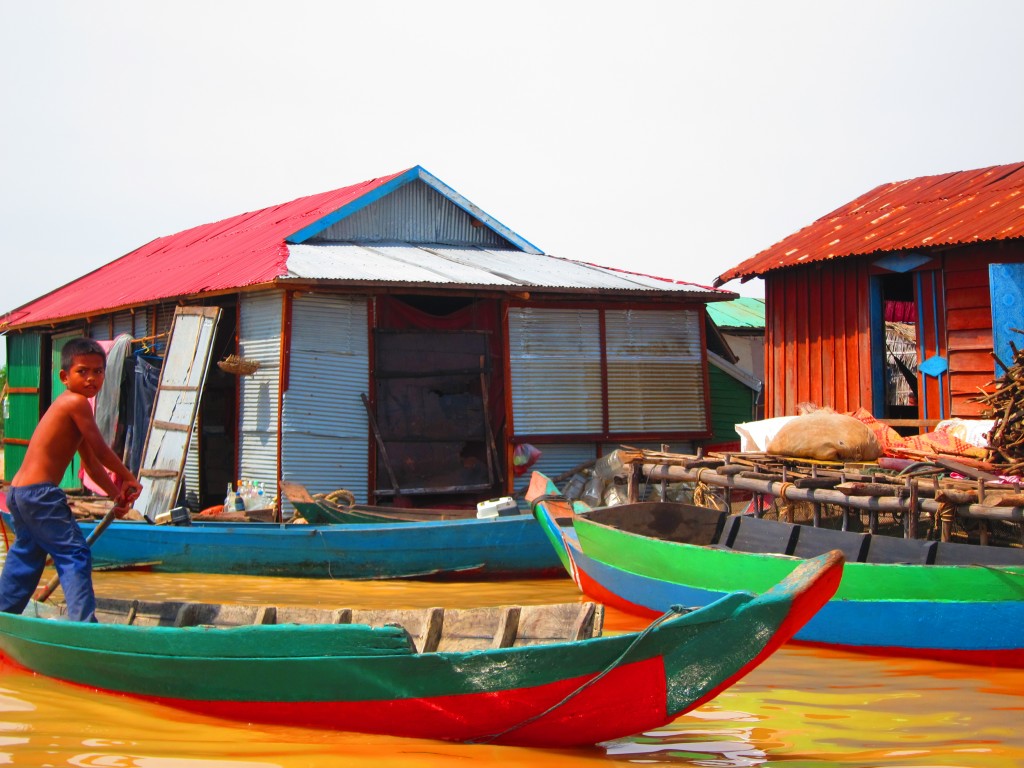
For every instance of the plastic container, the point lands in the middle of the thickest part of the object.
(503, 507)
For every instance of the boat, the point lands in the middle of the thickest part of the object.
(322, 509)
(527, 675)
(903, 597)
(475, 548)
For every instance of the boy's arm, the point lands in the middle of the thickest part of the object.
(96, 455)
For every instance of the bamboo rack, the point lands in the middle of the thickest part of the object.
(850, 488)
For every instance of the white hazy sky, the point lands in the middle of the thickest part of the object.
(673, 138)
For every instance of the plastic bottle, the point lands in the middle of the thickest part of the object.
(593, 491)
(240, 496)
(575, 487)
(229, 498)
(260, 496)
(610, 466)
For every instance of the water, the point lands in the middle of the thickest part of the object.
(804, 707)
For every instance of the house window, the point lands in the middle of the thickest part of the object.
(606, 372)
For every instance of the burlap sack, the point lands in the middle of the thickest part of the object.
(826, 436)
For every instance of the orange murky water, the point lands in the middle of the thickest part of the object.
(803, 707)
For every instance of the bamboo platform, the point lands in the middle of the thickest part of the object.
(922, 493)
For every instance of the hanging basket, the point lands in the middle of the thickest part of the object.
(239, 366)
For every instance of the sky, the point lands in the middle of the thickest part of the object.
(672, 138)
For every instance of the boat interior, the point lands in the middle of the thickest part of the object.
(701, 526)
(428, 629)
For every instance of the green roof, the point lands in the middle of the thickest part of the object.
(744, 312)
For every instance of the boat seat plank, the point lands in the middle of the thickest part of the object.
(754, 534)
(508, 627)
(952, 553)
(892, 549)
(817, 541)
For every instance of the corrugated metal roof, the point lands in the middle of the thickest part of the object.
(744, 312)
(267, 245)
(951, 208)
(466, 266)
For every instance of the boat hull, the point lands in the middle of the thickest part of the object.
(353, 677)
(478, 548)
(967, 614)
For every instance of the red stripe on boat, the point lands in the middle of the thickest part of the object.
(629, 699)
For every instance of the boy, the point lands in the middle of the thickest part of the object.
(43, 522)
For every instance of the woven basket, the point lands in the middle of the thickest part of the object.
(238, 365)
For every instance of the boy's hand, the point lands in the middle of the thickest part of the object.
(130, 490)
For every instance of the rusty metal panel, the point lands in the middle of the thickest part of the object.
(946, 209)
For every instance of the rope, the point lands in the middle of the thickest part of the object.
(785, 487)
(672, 611)
(547, 497)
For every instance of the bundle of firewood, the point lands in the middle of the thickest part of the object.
(1005, 406)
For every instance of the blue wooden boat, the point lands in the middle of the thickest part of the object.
(471, 548)
(947, 601)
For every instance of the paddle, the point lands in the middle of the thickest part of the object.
(101, 526)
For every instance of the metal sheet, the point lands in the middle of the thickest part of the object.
(655, 371)
(259, 339)
(415, 213)
(1006, 283)
(324, 422)
(949, 208)
(555, 369)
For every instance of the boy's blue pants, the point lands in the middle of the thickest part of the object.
(44, 524)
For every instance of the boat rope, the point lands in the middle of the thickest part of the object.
(674, 610)
(548, 497)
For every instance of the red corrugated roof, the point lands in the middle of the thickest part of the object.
(248, 249)
(951, 208)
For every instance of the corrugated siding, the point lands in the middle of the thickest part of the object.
(818, 341)
(732, 403)
(24, 358)
(414, 213)
(325, 425)
(555, 369)
(655, 371)
(259, 338)
(556, 458)
(122, 322)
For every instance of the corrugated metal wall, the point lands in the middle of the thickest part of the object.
(414, 213)
(817, 335)
(325, 428)
(732, 403)
(555, 369)
(21, 409)
(259, 338)
(655, 371)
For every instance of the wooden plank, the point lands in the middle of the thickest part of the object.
(508, 627)
(175, 406)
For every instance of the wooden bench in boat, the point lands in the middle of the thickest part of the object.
(429, 629)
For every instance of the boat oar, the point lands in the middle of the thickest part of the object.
(101, 526)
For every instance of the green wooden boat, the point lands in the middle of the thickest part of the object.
(519, 675)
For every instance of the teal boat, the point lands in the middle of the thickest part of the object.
(506, 678)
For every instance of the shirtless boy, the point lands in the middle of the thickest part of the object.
(43, 522)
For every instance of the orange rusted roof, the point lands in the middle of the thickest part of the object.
(951, 208)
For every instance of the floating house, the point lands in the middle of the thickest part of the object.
(897, 300)
(389, 338)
